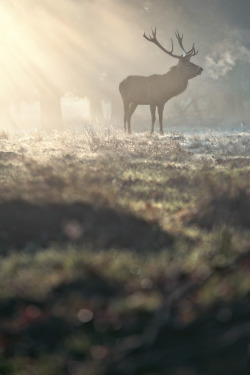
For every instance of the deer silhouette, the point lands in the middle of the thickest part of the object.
(155, 90)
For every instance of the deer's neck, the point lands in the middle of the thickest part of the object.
(175, 82)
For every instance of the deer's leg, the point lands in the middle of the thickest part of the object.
(152, 109)
(126, 110)
(160, 113)
(132, 108)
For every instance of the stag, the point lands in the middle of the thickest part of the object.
(155, 90)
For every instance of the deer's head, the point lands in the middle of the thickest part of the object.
(187, 69)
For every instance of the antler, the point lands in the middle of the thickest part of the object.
(188, 54)
(152, 38)
(191, 52)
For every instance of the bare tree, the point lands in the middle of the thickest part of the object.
(156, 90)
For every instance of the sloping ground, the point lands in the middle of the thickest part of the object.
(217, 342)
(124, 255)
(24, 223)
(224, 208)
(95, 324)
(208, 346)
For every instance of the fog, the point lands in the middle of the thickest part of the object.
(62, 61)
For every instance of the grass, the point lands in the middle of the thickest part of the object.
(107, 242)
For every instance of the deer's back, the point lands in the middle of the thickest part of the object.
(153, 89)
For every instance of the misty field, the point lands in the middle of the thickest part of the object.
(124, 254)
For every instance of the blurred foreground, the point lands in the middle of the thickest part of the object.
(124, 255)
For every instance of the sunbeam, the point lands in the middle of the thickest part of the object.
(83, 49)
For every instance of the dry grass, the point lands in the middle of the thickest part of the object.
(107, 241)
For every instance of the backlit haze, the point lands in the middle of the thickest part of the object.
(70, 55)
